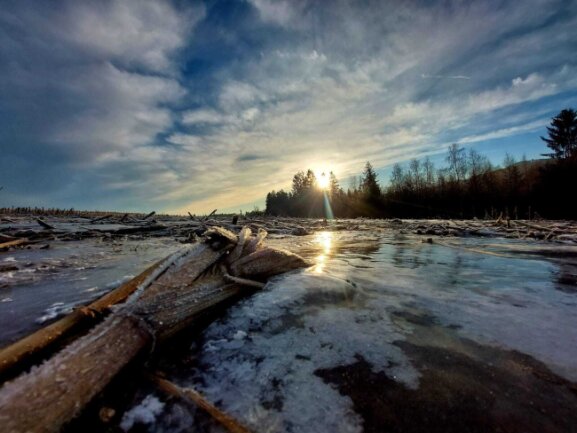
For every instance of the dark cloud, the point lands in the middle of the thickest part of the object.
(250, 157)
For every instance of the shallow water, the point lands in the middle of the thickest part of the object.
(386, 332)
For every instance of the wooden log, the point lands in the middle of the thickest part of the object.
(14, 243)
(43, 400)
(44, 224)
(531, 226)
(18, 353)
(100, 218)
(149, 215)
(130, 230)
(189, 394)
(49, 396)
(209, 215)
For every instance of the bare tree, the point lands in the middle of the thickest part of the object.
(457, 161)
(416, 175)
(429, 169)
(397, 178)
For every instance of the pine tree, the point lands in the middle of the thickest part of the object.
(369, 185)
(562, 133)
(334, 187)
(310, 179)
(299, 184)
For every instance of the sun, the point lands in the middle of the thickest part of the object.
(323, 181)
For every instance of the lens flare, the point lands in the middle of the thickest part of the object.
(323, 181)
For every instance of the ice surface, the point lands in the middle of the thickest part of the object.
(259, 361)
(301, 322)
(143, 413)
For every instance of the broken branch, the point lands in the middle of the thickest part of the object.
(189, 394)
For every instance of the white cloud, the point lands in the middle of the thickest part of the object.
(281, 12)
(202, 116)
(92, 80)
(185, 140)
(132, 32)
(506, 132)
(237, 94)
(122, 110)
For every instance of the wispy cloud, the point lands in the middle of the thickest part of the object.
(450, 77)
(137, 104)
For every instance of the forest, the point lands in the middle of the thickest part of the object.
(468, 186)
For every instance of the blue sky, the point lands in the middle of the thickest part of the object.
(190, 106)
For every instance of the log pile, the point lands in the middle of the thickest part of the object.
(20, 232)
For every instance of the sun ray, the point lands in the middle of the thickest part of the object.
(323, 181)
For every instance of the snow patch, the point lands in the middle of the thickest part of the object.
(302, 322)
(144, 413)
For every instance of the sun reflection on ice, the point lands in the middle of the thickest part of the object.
(325, 241)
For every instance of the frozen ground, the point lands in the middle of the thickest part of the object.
(474, 334)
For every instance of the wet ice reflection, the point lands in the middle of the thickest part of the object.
(325, 241)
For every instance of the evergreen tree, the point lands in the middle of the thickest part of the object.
(310, 179)
(562, 133)
(334, 188)
(369, 184)
(299, 184)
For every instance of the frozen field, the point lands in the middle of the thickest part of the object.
(386, 332)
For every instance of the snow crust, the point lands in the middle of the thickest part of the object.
(260, 361)
(144, 413)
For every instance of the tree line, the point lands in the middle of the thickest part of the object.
(468, 186)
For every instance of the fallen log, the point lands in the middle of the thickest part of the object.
(192, 282)
(14, 243)
(189, 394)
(44, 224)
(129, 230)
(149, 215)
(531, 226)
(101, 218)
(209, 215)
(138, 229)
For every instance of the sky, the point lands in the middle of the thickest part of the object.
(180, 106)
